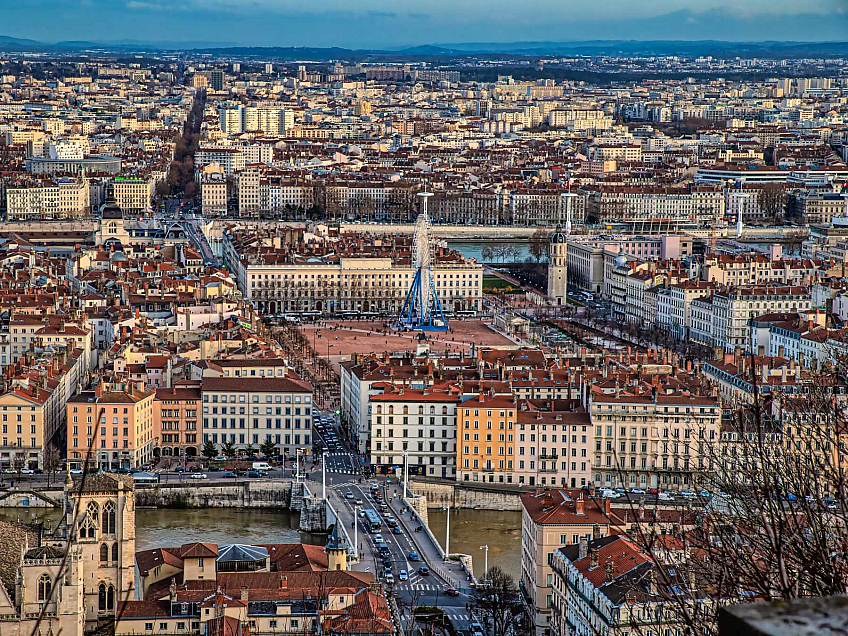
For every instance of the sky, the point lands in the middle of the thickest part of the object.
(397, 23)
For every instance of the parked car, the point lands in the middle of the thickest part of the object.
(180, 469)
(199, 476)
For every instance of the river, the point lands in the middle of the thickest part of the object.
(170, 527)
(499, 529)
(474, 249)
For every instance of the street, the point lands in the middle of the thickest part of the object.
(419, 589)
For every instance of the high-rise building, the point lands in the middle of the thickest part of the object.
(269, 68)
(216, 79)
(236, 67)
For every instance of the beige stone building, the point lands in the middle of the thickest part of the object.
(651, 437)
(81, 592)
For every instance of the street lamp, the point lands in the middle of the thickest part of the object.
(405, 472)
(356, 530)
(324, 475)
(485, 549)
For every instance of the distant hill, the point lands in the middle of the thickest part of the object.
(715, 48)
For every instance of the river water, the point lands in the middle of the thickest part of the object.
(474, 249)
(470, 529)
(169, 527)
(154, 528)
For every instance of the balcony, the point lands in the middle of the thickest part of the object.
(545, 455)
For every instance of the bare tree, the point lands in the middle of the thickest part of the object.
(775, 524)
(498, 601)
(539, 244)
(52, 461)
(772, 200)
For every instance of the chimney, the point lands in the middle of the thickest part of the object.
(173, 591)
(596, 531)
(609, 571)
(593, 557)
(652, 582)
(578, 505)
(584, 548)
(244, 594)
(607, 503)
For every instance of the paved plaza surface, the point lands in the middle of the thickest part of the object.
(359, 336)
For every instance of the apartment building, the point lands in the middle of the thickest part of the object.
(607, 584)
(546, 207)
(486, 439)
(213, 196)
(111, 427)
(820, 208)
(133, 194)
(674, 305)
(231, 160)
(416, 426)
(176, 421)
(551, 519)
(723, 319)
(22, 411)
(552, 447)
(248, 411)
(651, 437)
(65, 198)
(694, 205)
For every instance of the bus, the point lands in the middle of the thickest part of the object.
(372, 520)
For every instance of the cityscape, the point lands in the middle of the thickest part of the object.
(368, 330)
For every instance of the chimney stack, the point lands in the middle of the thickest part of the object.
(578, 505)
(609, 571)
(596, 531)
(584, 548)
(593, 557)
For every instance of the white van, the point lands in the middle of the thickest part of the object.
(263, 466)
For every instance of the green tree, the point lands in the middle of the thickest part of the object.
(228, 449)
(250, 450)
(268, 448)
(209, 450)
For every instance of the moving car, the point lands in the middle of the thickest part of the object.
(229, 475)
(390, 579)
(396, 530)
(403, 576)
(451, 591)
(424, 570)
(199, 476)
(254, 474)
(348, 495)
(413, 556)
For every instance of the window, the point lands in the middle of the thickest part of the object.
(114, 552)
(104, 553)
(44, 587)
(108, 525)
